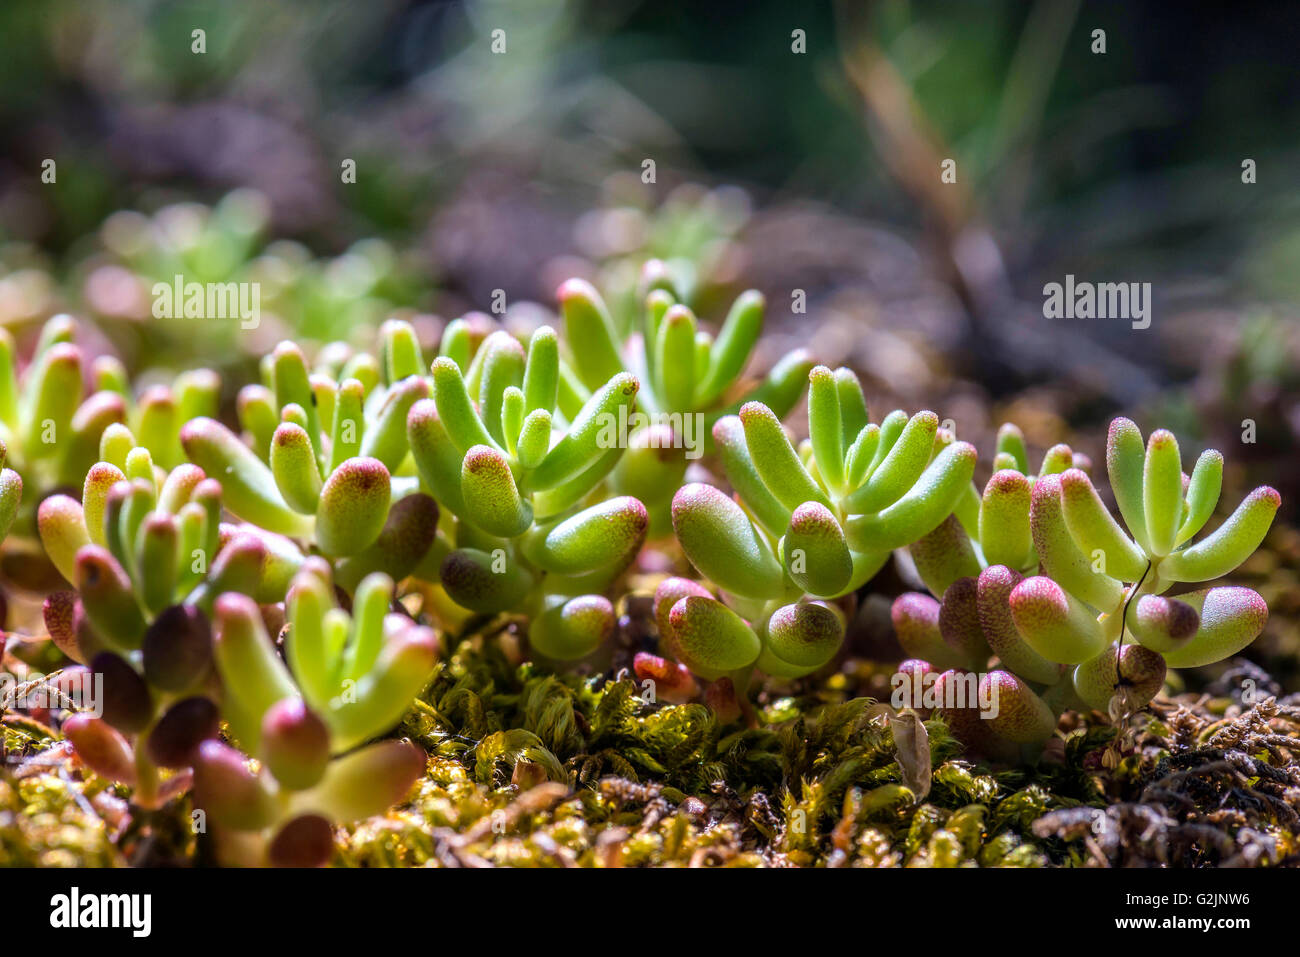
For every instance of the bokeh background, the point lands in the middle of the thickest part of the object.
(815, 171)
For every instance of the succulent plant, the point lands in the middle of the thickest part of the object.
(1096, 629)
(147, 557)
(811, 523)
(515, 469)
(687, 238)
(325, 454)
(52, 432)
(369, 496)
(689, 378)
(348, 679)
(11, 494)
(991, 527)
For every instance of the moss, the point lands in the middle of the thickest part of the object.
(532, 769)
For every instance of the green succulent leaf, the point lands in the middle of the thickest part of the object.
(249, 488)
(731, 351)
(589, 331)
(492, 500)
(1162, 492)
(720, 540)
(1053, 623)
(944, 555)
(1060, 556)
(1230, 619)
(711, 638)
(353, 506)
(776, 460)
(606, 535)
(1202, 494)
(573, 629)
(1094, 530)
(899, 470)
(922, 508)
(1230, 544)
(593, 432)
(729, 439)
(814, 551)
(1126, 464)
(1004, 520)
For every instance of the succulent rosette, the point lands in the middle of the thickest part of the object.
(686, 238)
(808, 525)
(325, 460)
(147, 553)
(991, 527)
(344, 680)
(515, 451)
(51, 426)
(1097, 629)
(689, 378)
(1102, 584)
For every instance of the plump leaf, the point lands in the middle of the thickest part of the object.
(916, 623)
(251, 670)
(804, 635)
(711, 638)
(1011, 441)
(1053, 623)
(484, 582)
(1140, 675)
(589, 332)
(492, 501)
(606, 535)
(720, 540)
(1021, 716)
(248, 487)
(293, 463)
(1162, 492)
(1004, 520)
(1060, 556)
(364, 783)
(1162, 624)
(900, 468)
(731, 351)
(353, 506)
(594, 431)
(993, 595)
(1202, 494)
(1231, 618)
(776, 460)
(814, 551)
(1094, 530)
(1125, 463)
(1230, 544)
(826, 426)
(920, 511)
(573, 629)
(729, 439)
(959, 622)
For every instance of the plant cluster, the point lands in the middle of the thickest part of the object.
(266, 596)
(811, 525)
(1097, 627)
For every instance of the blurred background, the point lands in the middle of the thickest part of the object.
(795, 147)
